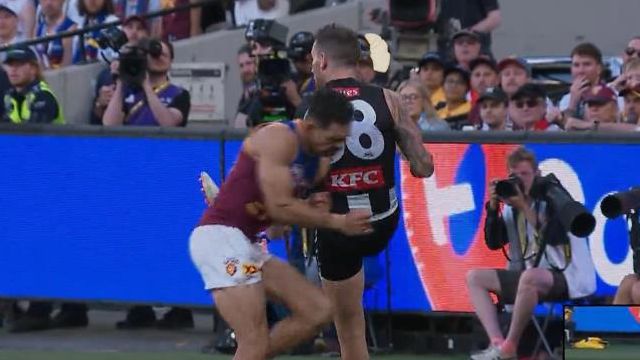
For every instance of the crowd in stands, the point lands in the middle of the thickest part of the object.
(461, 86)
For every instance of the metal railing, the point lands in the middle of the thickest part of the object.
(83, 31)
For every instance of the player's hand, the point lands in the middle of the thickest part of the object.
(357, 222)
(320, 200)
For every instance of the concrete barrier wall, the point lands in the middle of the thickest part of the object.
(540, 27)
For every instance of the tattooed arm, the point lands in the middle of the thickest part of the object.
(409, 138)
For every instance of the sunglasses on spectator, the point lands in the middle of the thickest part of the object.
(632, 51)
(531, 103)
(409, 97)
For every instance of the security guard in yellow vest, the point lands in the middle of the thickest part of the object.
(30, 100)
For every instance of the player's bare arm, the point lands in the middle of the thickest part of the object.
(277, 149)
(409, 138)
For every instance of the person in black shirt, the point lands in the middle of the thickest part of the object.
(480, 16)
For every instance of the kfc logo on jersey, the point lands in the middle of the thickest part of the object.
(360, 178)
(444, 217)
(349, 92)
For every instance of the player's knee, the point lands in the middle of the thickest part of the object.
(321, 312)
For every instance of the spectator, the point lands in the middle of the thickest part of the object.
(8, 27)
(213, 16)
(300, 54)
(25, 11)
(602, 113)
(416, 98)
(248, 76)
(630, 77)
(466, 48)
(51, 21)
(493, 104)
(431, 74)
(247, 10)
(527, 109)
(127, 8)
(135, 27)
(30, 100)
(94, 12)
(479, 16)
(632, 50)
(179, 24)
(374, 59)
(158, 103)
(514, 73)
(484, 75)
(456, 109)
(586, 71)
(71, 10)
(631, 105)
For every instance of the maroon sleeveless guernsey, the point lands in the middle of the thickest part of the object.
(240, 202)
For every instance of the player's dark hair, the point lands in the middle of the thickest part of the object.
(339, 43)
(329, 107)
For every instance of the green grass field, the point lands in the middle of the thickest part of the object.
(613, 352)
(54, 355)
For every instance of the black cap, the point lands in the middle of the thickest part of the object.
(465, 32)
(21, 53)
(457, 69)
(494, 93)
(430, 57)
(300, 44)
(136, 18)
(483, 61)
(529, 91)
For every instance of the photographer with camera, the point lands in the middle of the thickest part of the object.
(134, 28)
(545, 261)
(276, 96)
(627, 204)
(144, 95)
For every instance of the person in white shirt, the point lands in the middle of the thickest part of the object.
(565, 270)
(25, 10)
(247, 10)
